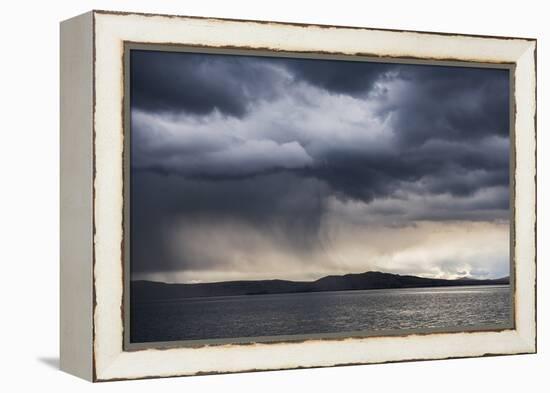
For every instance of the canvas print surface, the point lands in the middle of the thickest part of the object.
(274, 198)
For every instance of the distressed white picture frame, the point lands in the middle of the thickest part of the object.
(92, 194)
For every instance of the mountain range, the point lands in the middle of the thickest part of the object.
(147, 291)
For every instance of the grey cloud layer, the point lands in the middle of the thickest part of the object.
(168, 82)
(267, 142)
(231, 116)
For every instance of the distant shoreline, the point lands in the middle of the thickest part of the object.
(147, 291)
(327, 292)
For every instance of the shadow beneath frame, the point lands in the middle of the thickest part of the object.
(51, 362)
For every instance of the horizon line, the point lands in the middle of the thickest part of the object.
(320, 278)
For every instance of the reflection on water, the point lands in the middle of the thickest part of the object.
(321, 312)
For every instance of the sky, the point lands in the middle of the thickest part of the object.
(247, 167)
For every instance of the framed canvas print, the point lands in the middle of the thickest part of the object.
(245, 195)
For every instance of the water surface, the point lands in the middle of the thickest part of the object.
(321, 312)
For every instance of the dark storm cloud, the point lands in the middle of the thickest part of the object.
(430, 105)
(431, 168)
(266, 143)
(348, 77)
(172, 82)
(450, 103)
(444, 120)
(201, 83)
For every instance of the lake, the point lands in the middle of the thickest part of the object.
(321, 313)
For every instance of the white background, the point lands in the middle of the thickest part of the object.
(29, 197)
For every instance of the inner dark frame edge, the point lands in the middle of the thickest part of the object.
(232, 50)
